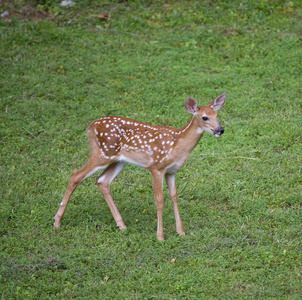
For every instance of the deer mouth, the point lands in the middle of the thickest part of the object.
(218, 132)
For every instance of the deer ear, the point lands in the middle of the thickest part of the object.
(218, 102)
(191, 105)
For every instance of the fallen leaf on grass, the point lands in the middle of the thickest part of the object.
(103, 16)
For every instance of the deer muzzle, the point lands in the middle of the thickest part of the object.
(218, 132)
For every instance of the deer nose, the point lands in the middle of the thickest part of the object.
(219, 131)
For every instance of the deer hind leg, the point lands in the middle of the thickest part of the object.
(104, 182)
(170, 179)
(77, 177)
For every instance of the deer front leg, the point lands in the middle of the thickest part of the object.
(157, 180)
(103, 183)
(170, 179)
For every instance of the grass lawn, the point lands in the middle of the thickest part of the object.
(240, 196)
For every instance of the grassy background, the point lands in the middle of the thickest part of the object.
(240, 196)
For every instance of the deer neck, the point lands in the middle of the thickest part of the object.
(189, 135)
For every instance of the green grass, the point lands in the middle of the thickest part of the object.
(240, 196)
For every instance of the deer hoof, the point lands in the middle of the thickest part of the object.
(121, 225)
(160, 238)
(56, 223)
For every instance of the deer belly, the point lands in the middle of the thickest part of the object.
(136, 159)
(175, 166)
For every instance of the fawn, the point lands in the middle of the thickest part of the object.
(116, 141)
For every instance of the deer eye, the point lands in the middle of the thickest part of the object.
(205, 118)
